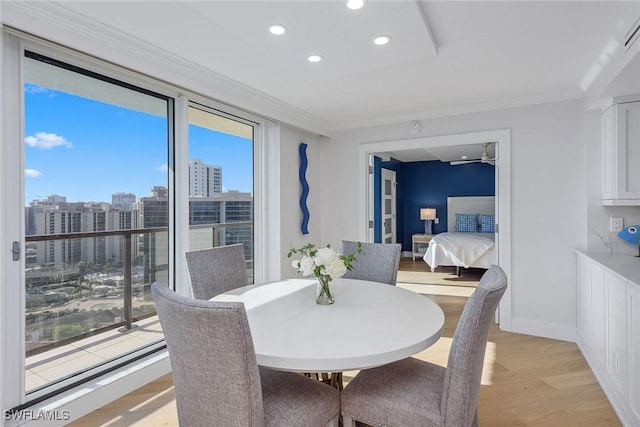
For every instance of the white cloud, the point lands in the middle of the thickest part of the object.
(35, 89)
(47, 141)
(32, 173)
(163, 168)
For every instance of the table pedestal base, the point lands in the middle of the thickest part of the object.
(334, 379)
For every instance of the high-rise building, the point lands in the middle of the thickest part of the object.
(52, 202)
(123, 201)
(55, 215)
(223, 208)
(154, 212)
(119, 220)
(204, 180)
(159, 191)
(94, 250)
(52, 221)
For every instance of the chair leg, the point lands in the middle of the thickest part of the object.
(336, 381)
(348, 421)
(334, 422)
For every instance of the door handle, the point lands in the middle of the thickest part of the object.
(15, 250)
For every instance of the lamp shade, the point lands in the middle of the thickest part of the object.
(427, 213)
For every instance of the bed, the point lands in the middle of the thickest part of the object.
(473, 244)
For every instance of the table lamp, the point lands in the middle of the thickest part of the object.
(427, 215)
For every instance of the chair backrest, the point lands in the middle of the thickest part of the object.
(466, 357)
(213, 361)
(216, 270)
(378, 262)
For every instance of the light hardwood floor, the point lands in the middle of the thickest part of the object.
(527, 381)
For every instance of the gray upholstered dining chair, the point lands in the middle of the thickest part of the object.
(216, 270)
(216, 377)
(415, 393)
(378, 262)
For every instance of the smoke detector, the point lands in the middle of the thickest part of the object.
(414, 128)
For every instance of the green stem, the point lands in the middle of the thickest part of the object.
(324, 294)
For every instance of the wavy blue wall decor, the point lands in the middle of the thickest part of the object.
(305, 188)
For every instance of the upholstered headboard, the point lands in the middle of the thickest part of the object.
(480, 204)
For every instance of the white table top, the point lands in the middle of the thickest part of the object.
(370, 324)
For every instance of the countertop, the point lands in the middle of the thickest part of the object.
(626, 266)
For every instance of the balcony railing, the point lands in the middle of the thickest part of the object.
(69, 272)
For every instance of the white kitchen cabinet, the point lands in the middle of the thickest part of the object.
(592, 308)
(584, 300)
(598, 313)
(621, 153)
(608, 328)
(616, 346)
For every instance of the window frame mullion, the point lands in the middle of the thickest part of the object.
(12, 299)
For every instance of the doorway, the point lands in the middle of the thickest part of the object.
(502, 138)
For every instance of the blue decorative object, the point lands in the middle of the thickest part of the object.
(631, 234)
(305, 188)
(487, 223)
(466, 223)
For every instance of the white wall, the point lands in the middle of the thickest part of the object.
(548, 201)
(290, 191)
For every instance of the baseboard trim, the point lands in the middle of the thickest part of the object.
(543, 329)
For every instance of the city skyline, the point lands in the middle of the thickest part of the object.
(137, 196)
(87, 150)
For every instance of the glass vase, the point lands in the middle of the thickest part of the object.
(323, 292)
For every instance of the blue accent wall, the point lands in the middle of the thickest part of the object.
(428, 184)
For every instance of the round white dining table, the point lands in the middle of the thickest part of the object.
(370, 324)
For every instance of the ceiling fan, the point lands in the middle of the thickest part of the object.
(484, 157)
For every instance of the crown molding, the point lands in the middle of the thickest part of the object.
(463, 109)
(54, 22)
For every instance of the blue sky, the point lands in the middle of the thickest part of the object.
(87, 150)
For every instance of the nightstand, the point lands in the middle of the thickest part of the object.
(417, 241)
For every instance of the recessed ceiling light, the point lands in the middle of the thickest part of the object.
(314, 58)
(463, 157)
(355, 4)
(278, 29)
(382, 40)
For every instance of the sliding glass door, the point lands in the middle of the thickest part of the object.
(220, 174)
(97, 203)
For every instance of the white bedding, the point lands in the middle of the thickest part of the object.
(461, 250)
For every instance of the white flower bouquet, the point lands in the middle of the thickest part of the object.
(325, 264)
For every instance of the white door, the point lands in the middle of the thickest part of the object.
(388, 198)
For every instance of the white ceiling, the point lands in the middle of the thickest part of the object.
(486, 54)
(444, 154)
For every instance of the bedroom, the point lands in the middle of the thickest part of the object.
(422, 182)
